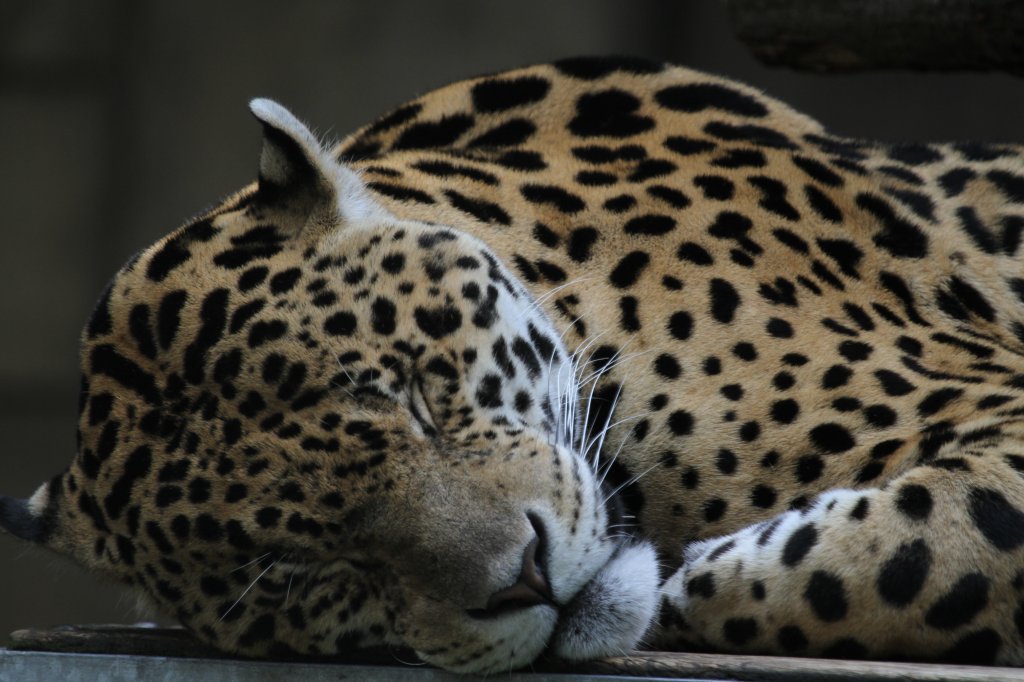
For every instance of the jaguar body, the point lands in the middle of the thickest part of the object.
(575, 358)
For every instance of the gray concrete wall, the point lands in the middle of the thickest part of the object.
(121, 118)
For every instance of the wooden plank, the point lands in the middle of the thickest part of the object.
(31, 666)
(781, 669)
(141, 643)
(112, 639)
(854, 35)
(129, 640)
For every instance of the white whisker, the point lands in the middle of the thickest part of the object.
(630, 482)
(254, 561)
(535, 304)
(247, 589)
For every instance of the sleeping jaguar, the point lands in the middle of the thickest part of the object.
(573, 359)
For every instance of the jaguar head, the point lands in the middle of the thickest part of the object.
(307, 426)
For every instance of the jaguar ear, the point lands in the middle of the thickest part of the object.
(38, 520)
(296, 170)
(17, 519)
(27, 519)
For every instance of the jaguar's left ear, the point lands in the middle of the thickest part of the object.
(297, 171)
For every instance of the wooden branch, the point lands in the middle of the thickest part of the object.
(141, 645)
(856, 35)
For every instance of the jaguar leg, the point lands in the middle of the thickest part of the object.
(929, 565)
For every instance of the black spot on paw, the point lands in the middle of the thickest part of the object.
(976, 648)
(792, 639)
(965, 600)
(702, 585)
(739, 631)
(846, 648)
(903, 574)
(860, 510)
(799, 544)
(999, 521)
(914, 501)
(826, 595)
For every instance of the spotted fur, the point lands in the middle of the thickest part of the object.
(733, 383)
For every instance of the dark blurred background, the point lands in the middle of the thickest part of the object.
(121, 118)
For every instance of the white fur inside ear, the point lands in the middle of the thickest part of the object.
(353, 200)
(613, 611)
(40, 499)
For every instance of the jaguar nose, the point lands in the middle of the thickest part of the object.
(530, 589)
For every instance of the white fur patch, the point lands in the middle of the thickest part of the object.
(39, 500)
(612, 612)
